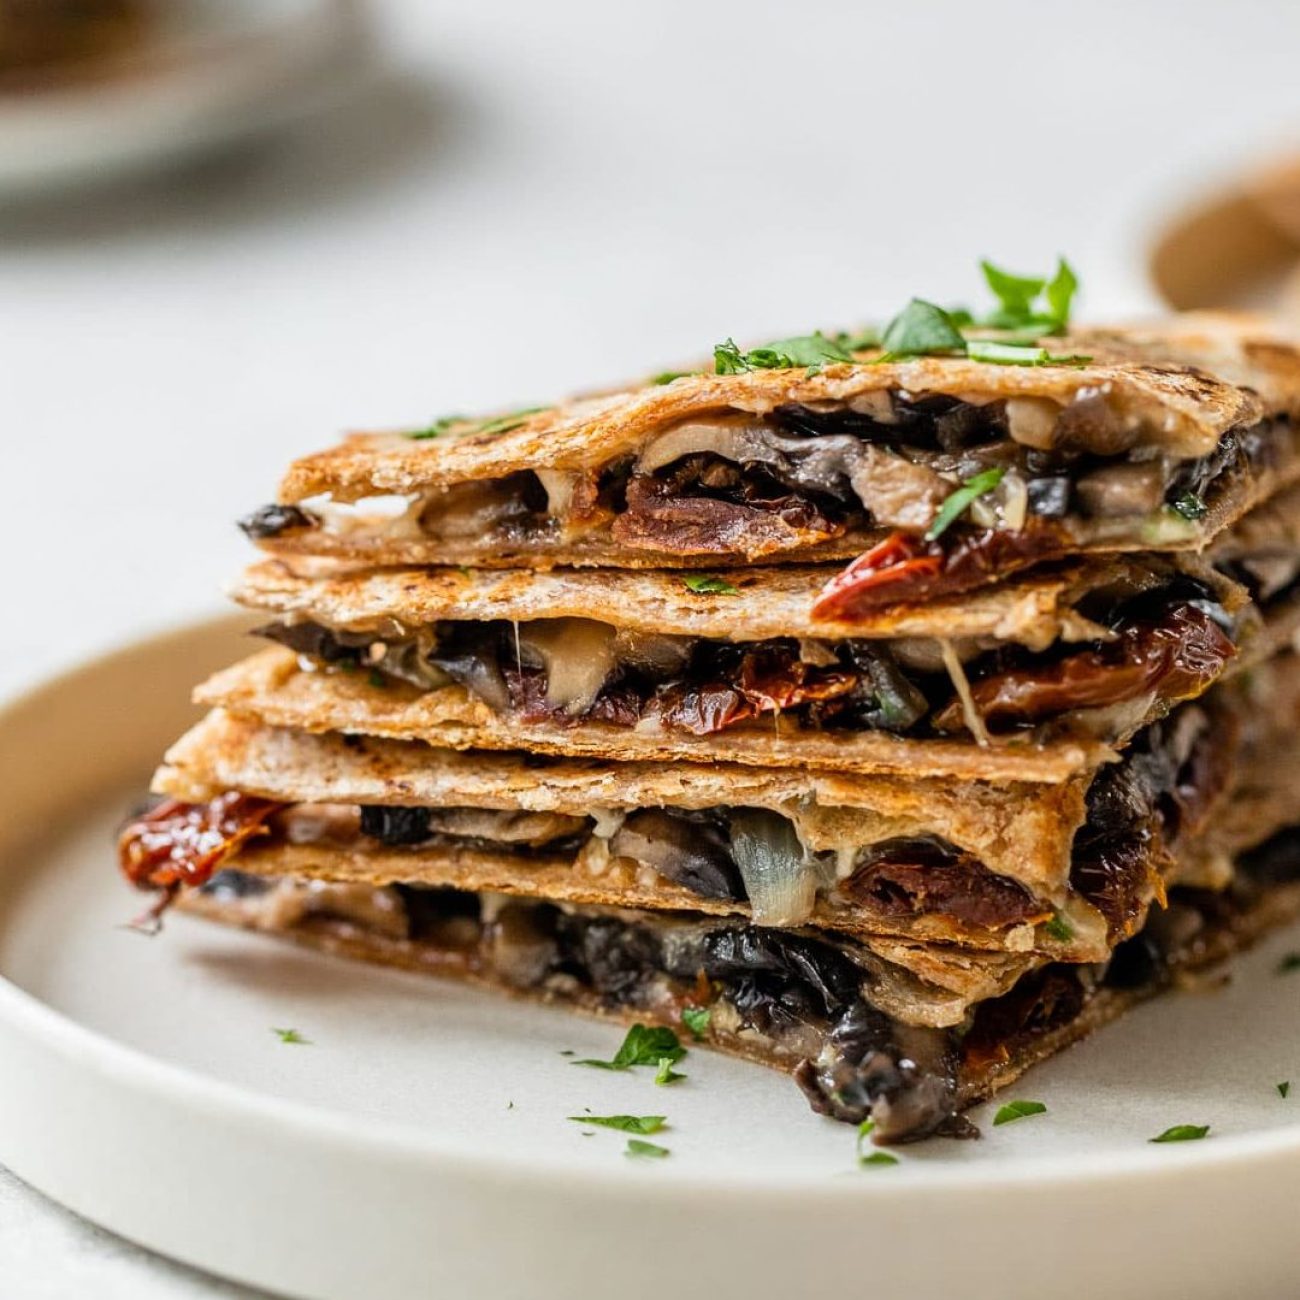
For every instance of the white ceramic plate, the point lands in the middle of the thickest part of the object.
(141, 1085)
(220, 70)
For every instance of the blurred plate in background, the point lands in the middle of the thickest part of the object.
(183, 77)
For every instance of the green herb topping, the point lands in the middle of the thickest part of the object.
(377, 679)
(667, 376)
(921, 329)
(1283, 1088)
(813, 350)
(437, 428)
(1018, 295)
(291, 1036)
(877, 1158)
(624, 1123)
(498, 424)
(644, 1045)
(1014, 1110)
(704, 585)
(1058, 928)
(665, 1073)
(636, 1147)
(1289, 963)
(696, 1019)
(1182, 1133)
(860, 340)
(959, 501)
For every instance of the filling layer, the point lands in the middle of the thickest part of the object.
(1137, 810)
(800, 1001)
(1159, 646)
(738, 485)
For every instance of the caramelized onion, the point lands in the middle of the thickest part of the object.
(780, 879)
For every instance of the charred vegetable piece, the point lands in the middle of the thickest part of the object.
(180, 843)
(1178, 657)
(905, 568)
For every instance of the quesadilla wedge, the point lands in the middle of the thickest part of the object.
(940, 473)
(1067, 870)
(1031, 680)
(858, 1035)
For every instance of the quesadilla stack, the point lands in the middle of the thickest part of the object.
(586, 704)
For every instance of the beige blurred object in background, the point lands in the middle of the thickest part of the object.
(1236, 247)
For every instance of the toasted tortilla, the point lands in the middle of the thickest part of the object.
(1180, 385)
(1021, 831)
(1033, 610)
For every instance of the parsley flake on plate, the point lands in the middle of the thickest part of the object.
(704, 585)
(867, 1159)
(624, 1123)
(291, 1036)
(877, 1158)
(1283, 1088)
(665, 1073)
(1182, 1133)
(957, 503)
(1289, 963)
(636, 1147)
(1014, 1110)
(644, 1045)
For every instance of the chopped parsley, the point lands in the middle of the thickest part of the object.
(1014, 1110)
(1190, 506)
(703, 584)
(1289, 963)
(1283, 1088)
(437, 428)
(921, 329)
(873, 1157)
(958, 502)
(696, 1019)
(377, 679)
(504, 423)
(291, 1036)
(860, 340)
(667, 376)
(1018, 300)
(636, 1147)
(1058, 928)
(1182, 1133)
(644, 1045)
(567, 1051)
(624, 1123)
(498, 424)
(813, 350)
(665, 1073)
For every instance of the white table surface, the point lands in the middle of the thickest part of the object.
(538, 197)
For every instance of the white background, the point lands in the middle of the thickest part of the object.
(537, 197)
